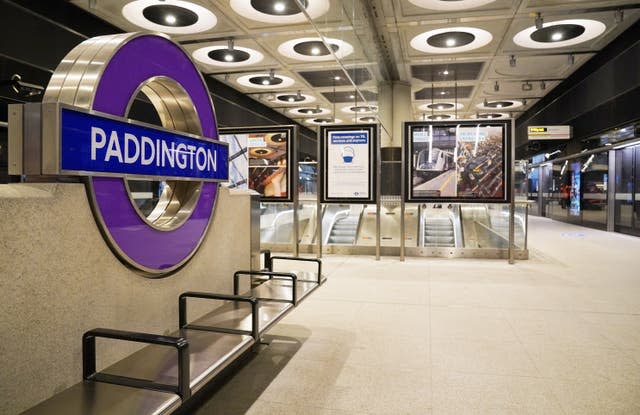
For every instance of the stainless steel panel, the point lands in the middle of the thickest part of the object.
(15, 130)
(281, 289)
(209, 353)
(32, 139)
(96, 398)
(255, 232)
(238, 315)
(50, 138)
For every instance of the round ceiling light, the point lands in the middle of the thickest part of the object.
(313, 49)
(559, 34)
(360, 109)
(368, 119)
(439, 117)
(176, 17)
(441, 106)
(265, 81)
(447, 5)
(503, 103)
(309, 112)
(294, 98)
(451, 40)
(221, 55)
(279, 11)
(323, 121)
(490, 115)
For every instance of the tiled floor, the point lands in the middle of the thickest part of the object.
(558, 334)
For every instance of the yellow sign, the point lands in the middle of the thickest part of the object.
(549, 132)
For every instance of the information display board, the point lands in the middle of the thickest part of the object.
(348, 156)
(462, 161)
(260, 160)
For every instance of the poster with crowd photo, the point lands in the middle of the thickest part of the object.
(259, 159)
(466, 161)
(349, 161)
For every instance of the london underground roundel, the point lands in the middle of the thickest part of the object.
(92, 91)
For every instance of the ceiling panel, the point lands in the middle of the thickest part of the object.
(446, 72)
(381, 31)
(349, 96)
(336, 77)
(445, 92)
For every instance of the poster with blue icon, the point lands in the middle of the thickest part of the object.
(348, 164)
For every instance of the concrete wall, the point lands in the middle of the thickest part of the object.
(58, 278)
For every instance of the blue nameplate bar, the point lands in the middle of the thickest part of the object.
(99, 144)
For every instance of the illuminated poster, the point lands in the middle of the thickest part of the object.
(574, 195)
(348, 162)
(259, 160)
(465, 161)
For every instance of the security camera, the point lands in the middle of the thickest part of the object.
(24, 89)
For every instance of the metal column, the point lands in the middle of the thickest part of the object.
(295, 175)
(402, 195)
(319, 183)
(512, 202)
(378, 170)
(611, 193)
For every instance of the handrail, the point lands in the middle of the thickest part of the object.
(182, 312)
(270, 274)
(89, 360)
(295, 258)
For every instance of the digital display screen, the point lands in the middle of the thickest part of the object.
(466, 161)
(260, 160)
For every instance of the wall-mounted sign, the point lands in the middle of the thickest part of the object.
(465, 161)
(81, 128)
(98, 143)
(348, 159)
(549, 132)
(260, 159)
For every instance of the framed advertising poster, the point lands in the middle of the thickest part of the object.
(260, 160)
(461, 161)
(348, 156)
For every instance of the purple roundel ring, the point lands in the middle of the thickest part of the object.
(135, 62)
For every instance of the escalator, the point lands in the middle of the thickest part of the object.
(344, 230)
(439, 231)
(440, 227)
(339, 225)
(499, 221)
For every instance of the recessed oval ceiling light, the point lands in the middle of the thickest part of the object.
(221, 55)
(445, 5)
(309, 112)
(439, 117)
(279, 11)
(441, 106)
(451, 40)
(313, 49)
(503, 103)
(294, 98)
(360, 109)
(368, 119)
(490, 115)
(323, 121)
(265, 81)
(559, 34)
(170, 16)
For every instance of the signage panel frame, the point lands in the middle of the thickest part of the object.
(506, 157)
(324, 134)
(52, 145)
(292, 132)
